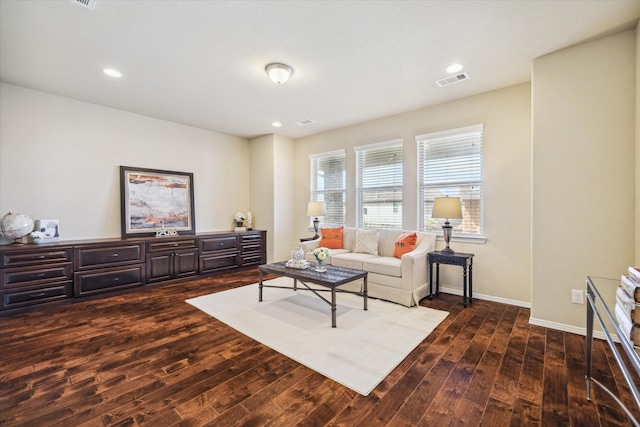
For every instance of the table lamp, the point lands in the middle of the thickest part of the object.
(316, 209)
(447, 207)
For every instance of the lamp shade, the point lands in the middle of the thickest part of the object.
(316, 209)
(446, 207)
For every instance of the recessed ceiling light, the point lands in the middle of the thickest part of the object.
(276, 124)
(454, 68)
(112, 72)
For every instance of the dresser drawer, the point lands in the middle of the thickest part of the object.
(210, 264)
(250, 237)
(252, 260)
(222, 243)
(95, 257)
(35, 257)
(25, 297)
(15, 277)
(254, 247)
(160, 245)
(98, 281)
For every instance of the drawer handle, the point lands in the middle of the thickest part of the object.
(174, 244)
(114, 254)
(114, 279)
(35, 276)
(41, 294)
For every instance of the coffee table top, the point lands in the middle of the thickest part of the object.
(334, 276)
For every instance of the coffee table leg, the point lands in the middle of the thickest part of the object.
(295, 284)
(260, 287)
(333, 307)
(365, 292)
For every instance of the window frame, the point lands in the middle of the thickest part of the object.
(453, 188)
(320, 195)
(360, 190)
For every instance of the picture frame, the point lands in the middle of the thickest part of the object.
(152, 200)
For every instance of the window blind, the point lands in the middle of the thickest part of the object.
(450, 164)
(328, 184)
(379, 185)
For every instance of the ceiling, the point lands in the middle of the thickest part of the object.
(201, 63)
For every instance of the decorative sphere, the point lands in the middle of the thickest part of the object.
(16, 225)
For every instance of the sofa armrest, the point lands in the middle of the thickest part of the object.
(309, 245)
(414, 263)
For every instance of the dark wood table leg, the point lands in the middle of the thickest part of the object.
(430, 280)
(437, 278)
(260, 287)
(464, 284)
(295, 284)
(471, 282)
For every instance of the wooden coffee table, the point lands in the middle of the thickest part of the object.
(330, 279)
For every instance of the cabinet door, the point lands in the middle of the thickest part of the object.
(185, 263)
(159, 267)
(171, 265)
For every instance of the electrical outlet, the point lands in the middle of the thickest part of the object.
(577, 296)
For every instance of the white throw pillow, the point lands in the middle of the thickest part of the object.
(366, 242)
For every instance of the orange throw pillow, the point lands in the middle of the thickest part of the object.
(406, 243)
(331, 238)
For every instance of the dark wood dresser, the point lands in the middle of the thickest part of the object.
(32, 275)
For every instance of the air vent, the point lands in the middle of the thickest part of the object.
(304, 122)
(89, 4)
(453, 79)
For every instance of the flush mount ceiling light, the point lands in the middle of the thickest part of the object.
(278, 73)
(111, 72)
(276, 124)
(454, 68)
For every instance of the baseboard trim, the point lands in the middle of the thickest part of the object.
(569, 328)
(485, 297)
(532, 320)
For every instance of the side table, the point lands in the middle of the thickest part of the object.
(463, 260)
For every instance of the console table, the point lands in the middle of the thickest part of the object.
(458, 258)
(603, 308)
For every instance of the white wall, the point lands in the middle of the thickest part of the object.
(637, 234)
(502, 264)
(272, 186)
(60, 158)
(584, 181)
(262, 188)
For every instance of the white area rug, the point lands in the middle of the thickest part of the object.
(359, 353)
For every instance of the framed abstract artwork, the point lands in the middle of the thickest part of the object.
(152, 200)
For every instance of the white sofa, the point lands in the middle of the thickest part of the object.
(404, 281)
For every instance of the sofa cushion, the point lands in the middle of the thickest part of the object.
(405, 243)
(387, 241)
(331, 238)
(389, 266)
(350, 260)
(366, 242)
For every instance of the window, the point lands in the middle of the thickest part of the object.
(328, 184)
(450, 164)
(379, 185)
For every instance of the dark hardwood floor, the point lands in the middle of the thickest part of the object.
(148, 358)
